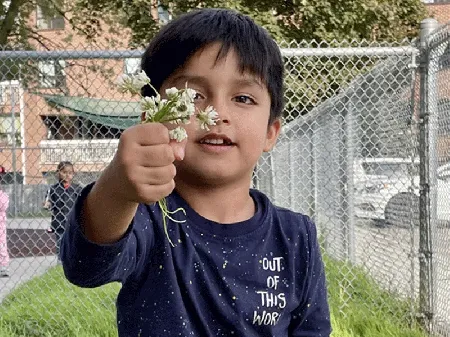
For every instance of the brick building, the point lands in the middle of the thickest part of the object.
(44, 134)
(439, 9)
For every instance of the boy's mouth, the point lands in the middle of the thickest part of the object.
(216, 140)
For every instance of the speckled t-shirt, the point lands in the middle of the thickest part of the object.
(260, 277)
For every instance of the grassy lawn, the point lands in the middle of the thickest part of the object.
(50, 307)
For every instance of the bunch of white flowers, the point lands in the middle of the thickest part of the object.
(177, 108)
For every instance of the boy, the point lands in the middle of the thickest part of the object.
(240, 266)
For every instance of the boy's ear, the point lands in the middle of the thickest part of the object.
(273, 131)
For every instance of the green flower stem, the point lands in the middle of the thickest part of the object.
(167, 215)
(159, 116)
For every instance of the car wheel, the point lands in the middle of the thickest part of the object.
(400, 209)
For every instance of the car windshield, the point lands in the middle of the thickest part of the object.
(389, 169)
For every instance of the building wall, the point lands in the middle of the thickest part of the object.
(440, 11)
(81, 80)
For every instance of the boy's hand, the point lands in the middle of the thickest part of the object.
(142, 169)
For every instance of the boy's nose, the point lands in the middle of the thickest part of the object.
(222, 121)
(223, 110)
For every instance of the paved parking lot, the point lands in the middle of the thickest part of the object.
(390, 254)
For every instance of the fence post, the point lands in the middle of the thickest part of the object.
(426, 312)
(350, 136)
(13, 148)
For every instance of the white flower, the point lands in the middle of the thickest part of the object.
(132, 84)
(185, 110)
(179, 115)
(191, 93)
(149, 103)
(178, 134)
(141, 79)
(172, 93)
(124, 82)
(207, 117)
(188, 96)
(149, 115)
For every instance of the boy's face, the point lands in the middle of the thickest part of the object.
(228, 152)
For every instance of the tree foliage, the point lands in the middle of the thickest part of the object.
(322, 20)
(310, 80)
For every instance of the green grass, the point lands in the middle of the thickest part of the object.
(360, 308)
(49, 306)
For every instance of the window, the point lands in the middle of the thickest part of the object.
(73, 127)
(45, 21)
(51, 74)
(9, 97)
(132, 66)
(9, 130)
(5, 95)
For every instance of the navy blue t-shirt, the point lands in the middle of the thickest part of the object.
(260, 277)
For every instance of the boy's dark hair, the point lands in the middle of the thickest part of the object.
(62, 165)
(258, 53)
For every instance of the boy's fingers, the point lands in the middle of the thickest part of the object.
(178, 148)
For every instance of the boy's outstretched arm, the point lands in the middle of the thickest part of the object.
(99, 246)
(312, 317)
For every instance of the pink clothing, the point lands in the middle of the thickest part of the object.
(4, 256)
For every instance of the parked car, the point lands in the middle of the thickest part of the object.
(443, 199)
(387, 189)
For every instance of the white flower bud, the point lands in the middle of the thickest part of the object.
(178, 134)
(172, 93)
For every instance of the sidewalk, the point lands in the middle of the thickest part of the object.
(28, 223)
(31, 251)
(24, 269)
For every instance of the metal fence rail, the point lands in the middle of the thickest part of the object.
(365, 151)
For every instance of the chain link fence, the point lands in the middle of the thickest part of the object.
(437, 116)
(365, 151)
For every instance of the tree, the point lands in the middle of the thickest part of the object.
(287, 20)
(322, 20)
(372, 21)
(15, 20)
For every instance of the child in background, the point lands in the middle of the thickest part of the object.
(60, 199)
(4, 256)
(241, 266)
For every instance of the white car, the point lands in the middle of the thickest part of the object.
(388, 189)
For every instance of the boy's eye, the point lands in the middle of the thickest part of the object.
(244, 99)
(198, 96)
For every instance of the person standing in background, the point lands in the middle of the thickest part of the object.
(61, 198)
(4, 256)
